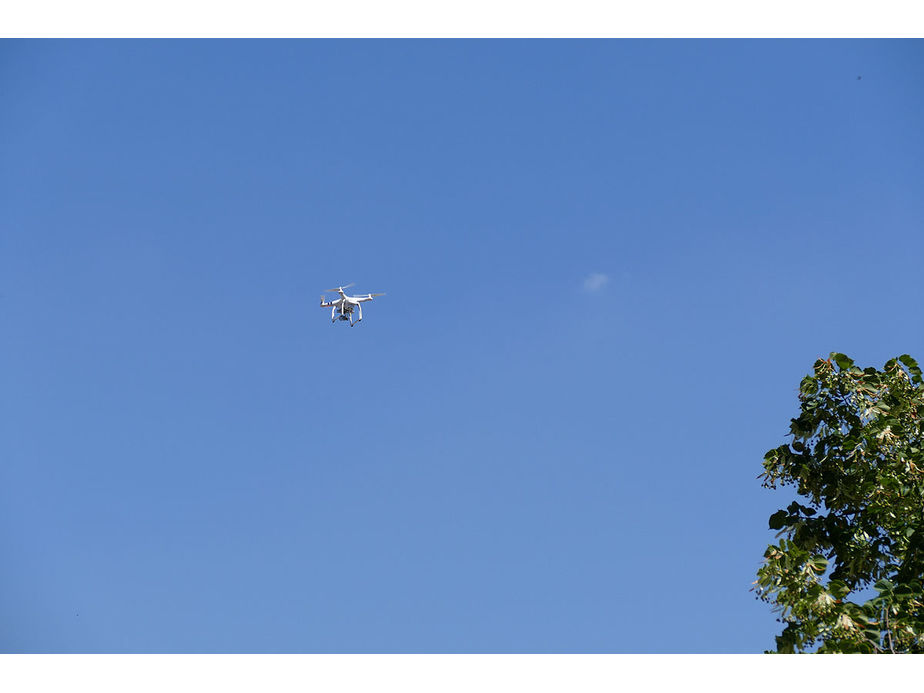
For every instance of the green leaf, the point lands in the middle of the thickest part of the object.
(819, 563)
(803, 426)
(808, 386)
(913, 368)
(778, 519)
(843, 362)
(838, 589)
(883, 586)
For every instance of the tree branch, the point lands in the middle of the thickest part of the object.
(888, 630)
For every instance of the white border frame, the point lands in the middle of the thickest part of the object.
(463, 19)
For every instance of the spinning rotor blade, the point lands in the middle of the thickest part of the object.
(382, 294)
(345, 286)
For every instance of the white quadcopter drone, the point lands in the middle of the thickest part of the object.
(342, 308)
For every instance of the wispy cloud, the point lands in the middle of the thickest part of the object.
(595, 282)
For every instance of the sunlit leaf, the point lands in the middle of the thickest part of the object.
(842, 361)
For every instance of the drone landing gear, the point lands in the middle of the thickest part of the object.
(347, 315)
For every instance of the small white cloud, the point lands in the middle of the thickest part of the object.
(595, 282)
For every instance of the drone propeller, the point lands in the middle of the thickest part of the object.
(382, 294)
(346, 286)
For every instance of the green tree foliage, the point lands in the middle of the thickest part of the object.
(855, 461)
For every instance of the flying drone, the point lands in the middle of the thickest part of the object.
(342, 308)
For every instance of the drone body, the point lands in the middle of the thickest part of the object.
(342, 308)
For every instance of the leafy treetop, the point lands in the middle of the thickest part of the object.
(855, 460)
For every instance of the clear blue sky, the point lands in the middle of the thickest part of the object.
(499, 458)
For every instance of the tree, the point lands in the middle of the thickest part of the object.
(846, 573)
